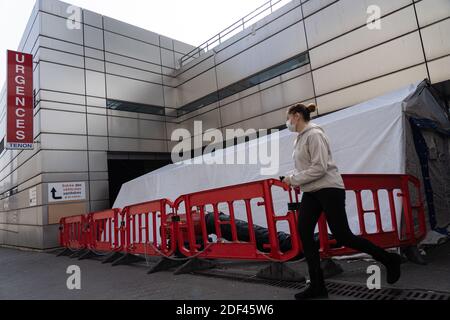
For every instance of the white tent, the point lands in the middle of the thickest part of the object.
(366, 138)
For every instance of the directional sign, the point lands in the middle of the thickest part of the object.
(66, 191)
(33, 197)
(19, 119)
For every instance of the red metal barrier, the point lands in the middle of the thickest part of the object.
(159, 228)
(107, 231)
(150, 229)
(74, 232)
(262, 190)
(395, 236)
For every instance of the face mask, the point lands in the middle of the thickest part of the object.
(290, 126)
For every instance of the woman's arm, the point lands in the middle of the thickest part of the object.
(318, 149)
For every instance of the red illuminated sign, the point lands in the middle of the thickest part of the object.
(19, 124)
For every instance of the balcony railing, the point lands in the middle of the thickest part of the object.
(239, 26)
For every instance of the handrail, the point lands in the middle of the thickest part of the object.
(222, 36)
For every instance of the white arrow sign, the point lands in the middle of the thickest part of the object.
(66, 191)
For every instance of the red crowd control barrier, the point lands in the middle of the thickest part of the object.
(260, 191)
(162, 228)
(107, 231)
(74, 232)
(150, 229)
(413, 216)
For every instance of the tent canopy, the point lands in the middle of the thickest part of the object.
(366, 138)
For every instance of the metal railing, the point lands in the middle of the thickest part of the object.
(239, 26)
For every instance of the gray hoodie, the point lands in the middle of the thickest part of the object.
(314, 165)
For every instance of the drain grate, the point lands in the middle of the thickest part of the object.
(336, 288)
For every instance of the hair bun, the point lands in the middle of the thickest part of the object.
(312, 108)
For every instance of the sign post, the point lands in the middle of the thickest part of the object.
(19, 123)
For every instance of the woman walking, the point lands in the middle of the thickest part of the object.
(324, 191)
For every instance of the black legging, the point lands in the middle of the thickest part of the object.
(331, 201)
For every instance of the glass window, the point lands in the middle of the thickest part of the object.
(135, 107)
(263, 76)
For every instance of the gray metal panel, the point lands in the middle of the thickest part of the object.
(25, 236)
(98, 143)
(198, 87)
(293, 91)
(29, 216)
(94, 64)
(131, 31)
(166, 42)
(50, 238)
(64, 161)
(135, 91)
(133, 73)
(261, 56)
(370, 64)
(261, 32)
(132, 48)
(393, 26)
(92, 18)
(99, 190)
(61, 78)
(63, 122)
(429, 11)
(371, 89)
(123, 127)
(132, 62)
(60, 57)
(63, 142)
(56, 27)
(97, 125)
(241, 109)
(182, 47)
(96, 111)
(202, 64)
(98, 161)
(61, 97)
(436, 39)
(53, 177)
(93, 37)
(58, 106)
(439, 70)
(280, 96)
(95, 84)
(60, 45)
(344, 16)
(151, 129)
(168, 58)
(59, 8)
(96, 102)
(134, 145)
(94, 53)
(312, 6)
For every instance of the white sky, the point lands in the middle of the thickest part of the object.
(190, 21)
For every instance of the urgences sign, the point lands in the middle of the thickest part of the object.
(19, 125)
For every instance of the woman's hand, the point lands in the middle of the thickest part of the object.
(287, 180)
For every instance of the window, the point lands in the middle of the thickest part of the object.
(263, 76)
(135, 107)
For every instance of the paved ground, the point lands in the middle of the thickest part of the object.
(31, 275)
